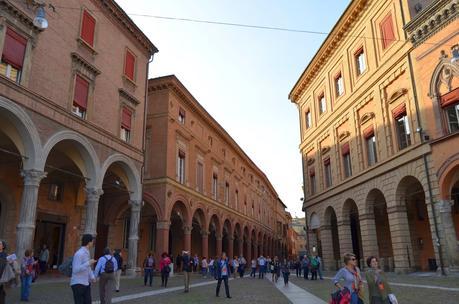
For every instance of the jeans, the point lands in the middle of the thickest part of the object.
(261, 273)
(81, 294)
(204, 272)
(2, 294)
(219, 283)
(254, 269)
(320, 272)
(187, 281)
(43, 266)
(298, 271)
(306, 272)
(106, 284)
(164, 278)
(148, 275)
(286, 275)
(26, 281)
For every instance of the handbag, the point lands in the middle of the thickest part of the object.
(392, 298)
(7, 275)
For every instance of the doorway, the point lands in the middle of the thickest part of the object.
(51, 233)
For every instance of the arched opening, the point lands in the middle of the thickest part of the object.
(377, 205)
(197, 225)
(332, 254)
(245, 244)
(226, 235)
(455, 209)
(351, 212)
(213, 232)
(259, 244)
(253, 243)
(412, 195)
(147, 235)
(176, 231)
(237, 238)
(315, 240)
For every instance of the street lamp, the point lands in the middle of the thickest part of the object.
(40, 18)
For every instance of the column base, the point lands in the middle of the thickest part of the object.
(132, 272)
(403, 270)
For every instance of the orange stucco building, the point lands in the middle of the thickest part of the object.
(203, 193)
(379, 118)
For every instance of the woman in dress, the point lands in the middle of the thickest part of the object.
(349, 277)
(378, 287)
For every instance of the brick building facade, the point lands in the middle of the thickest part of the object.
(203, 193)
(72, 107)
(377, 127)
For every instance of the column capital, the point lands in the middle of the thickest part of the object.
(93, 194)
(366, 216)
(204, 233)
(186, 229)
(396, 208)
(325, 227)
(136, 205)
(32, 177)
(345, 222)
(444, 206)
(163, 224)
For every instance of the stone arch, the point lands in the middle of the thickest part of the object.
(84, 156)
(351, 217)
(198, 226)
(215, 230)
(153, 202)
(227, 236)
(127, 171)
(21, 130)
(203, 214)
(448, 175)
(438, 78)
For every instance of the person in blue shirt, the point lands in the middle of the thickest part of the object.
(223, 272)
(105, 270)
(82, 274)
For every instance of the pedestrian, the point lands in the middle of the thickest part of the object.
(299, 264)
(235, 266)
(105, 271)
(216, 267)
(313, 265)
(254, 268)
(262, 265)
(204, 266)
(378, 287)
(268, 264)
(164, 268)
(148, 268)
(275, 269)
(43, 259)
(26, 274)
(3, 265)
(211, 266)
(305, 265)
(82, 273)
(187, 267)
(195, 262)
(349, 277)
(242, 263)
(285, 272)
(223, 272)
(178, 261)
(119, 262)
(319, 266)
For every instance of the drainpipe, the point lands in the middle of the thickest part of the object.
(304, 208)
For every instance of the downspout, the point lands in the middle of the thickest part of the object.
(304, 208)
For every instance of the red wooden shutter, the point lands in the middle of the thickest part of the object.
(14, 49)
(129, 65)
(88, 28)
(368, 132)
(345, 149)
(450, 98)
(81, 92)
(399, 111)
(387, 31)
(126, 119)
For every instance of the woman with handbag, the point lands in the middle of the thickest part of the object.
(27, 270)
(378, 287)
(349, 278)
(164, 268)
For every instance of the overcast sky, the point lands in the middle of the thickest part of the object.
(242, 76)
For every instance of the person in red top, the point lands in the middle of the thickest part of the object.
(164, 268)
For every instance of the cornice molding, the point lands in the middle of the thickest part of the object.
(431, 19)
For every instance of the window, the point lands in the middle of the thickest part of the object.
(227, 193)
(181, 167)
(346, 153)
(126, 118)
(312, 181)
(200, 177)
(339, 84)
(308, 119)
(88, 27)
(181, 119)
(327, 173)
(402, 127)
(13, 55)
(236, 200)
(129, 65)
(360, 61)
(253, 209)
(80, 97)
(55, 192)
(387, 31)
(370, 143)
(215, 186)
(450, 104)
(126, 228)
(322, 104)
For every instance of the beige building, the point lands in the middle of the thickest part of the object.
(377, 147)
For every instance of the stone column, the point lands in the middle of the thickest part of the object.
(255, 249)
(230, 247)
(205, 243)
(241, 247)
(219, 245)
(28, 213)
(187, 238)
(369, 237)
(448, 234)
(133, 236)
(162, 236)
(345, 237)
(401, 239)
(328, 255)
(92, 207)
(249, 251)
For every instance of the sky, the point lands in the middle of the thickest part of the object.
(243, 76)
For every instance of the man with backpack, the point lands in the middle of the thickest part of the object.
(148, 267)
(81, 271)
(105, 269)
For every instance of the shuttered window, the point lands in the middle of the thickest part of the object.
(387, 31)
(88, 27)
(14, 49)
(80, 96)
(126, 119)
(129, 65)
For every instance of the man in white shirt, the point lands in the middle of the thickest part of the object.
(262, 264)
(82, 273)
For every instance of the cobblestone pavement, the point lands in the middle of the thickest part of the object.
(416, 293)
(246, 290)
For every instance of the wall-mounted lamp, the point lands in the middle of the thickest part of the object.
(40, 18)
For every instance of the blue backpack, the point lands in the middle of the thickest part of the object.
(66, 267)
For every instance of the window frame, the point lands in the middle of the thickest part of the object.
(346, 160)
(336, 80)
(126, 133)
(86, 12)
(308, 119)
(181, 166)
(386, 43)
(360, 53)
(328, 173)
(321, 98)
(400, 115)
(215, 186)
(134, 68)
(369, 135)
(200, 182)
(75, 105)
